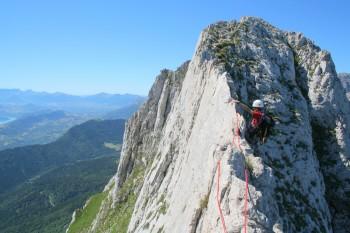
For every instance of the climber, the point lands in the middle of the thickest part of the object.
(260, 123)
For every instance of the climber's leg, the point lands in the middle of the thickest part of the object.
(264, 129)
(265, 134)
(250, 134)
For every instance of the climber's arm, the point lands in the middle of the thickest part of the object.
(243, 106)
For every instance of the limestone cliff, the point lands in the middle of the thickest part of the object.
(345, 80)
(181, 163)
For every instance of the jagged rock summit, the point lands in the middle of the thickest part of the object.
(182, 167)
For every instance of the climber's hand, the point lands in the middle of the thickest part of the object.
(231, 100)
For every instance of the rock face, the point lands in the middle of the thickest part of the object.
(345, 79)
(182, 163)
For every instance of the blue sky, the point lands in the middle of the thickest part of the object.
(86, 47)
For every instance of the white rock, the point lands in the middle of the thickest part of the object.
(186, 128)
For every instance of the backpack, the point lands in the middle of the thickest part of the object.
(269, 121)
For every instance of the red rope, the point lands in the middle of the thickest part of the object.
(218, 197)
(236, 134)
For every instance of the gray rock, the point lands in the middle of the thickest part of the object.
(345, 80)
(298, 180)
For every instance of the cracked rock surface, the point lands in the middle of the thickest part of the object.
(345, 79)
(299, 179)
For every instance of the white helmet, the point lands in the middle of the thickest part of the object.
(258, 104)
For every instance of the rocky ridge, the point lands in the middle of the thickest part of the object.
(167, 179)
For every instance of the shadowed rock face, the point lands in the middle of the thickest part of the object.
(299, 179)
(345, 80)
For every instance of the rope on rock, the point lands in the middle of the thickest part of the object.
(236, 134)
(236, 138)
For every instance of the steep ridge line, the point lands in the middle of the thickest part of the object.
(252, 57)
(236, 135)
(238, 145)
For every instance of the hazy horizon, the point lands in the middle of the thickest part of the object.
(84, 48)
(66, 93)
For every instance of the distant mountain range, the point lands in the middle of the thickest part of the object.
(44, 127)
(49, 164)
(4, 120)
(122, 113)
(41, 185)
(16, 103)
